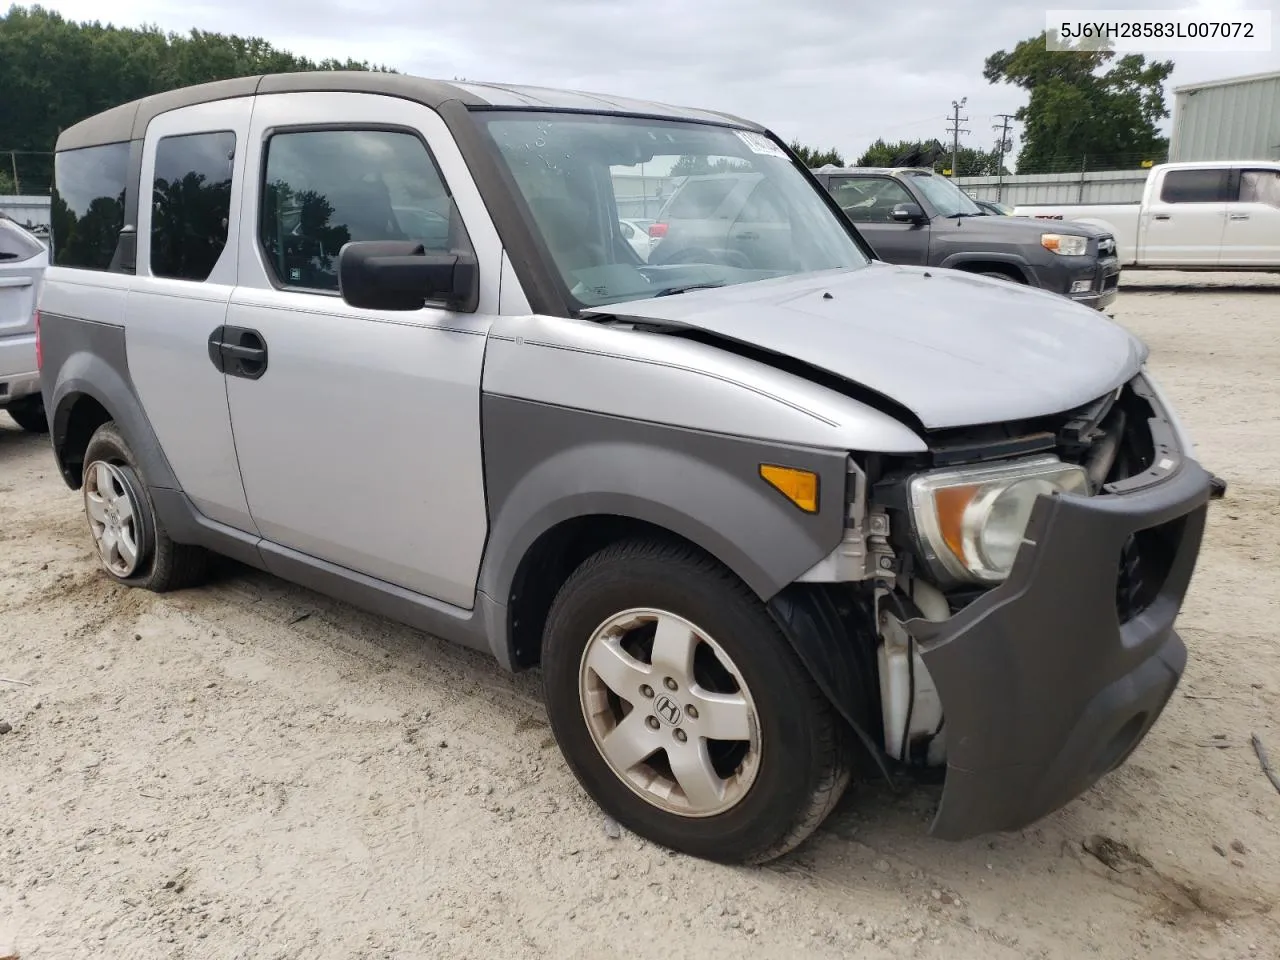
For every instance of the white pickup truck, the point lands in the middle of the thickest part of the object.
(1212, 215)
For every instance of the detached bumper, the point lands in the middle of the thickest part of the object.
(1053, 678)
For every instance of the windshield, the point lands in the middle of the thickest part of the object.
(948, 199)
(721, 205)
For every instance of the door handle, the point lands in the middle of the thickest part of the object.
(1238, 216)
(238, 352)
(746, 235)
(1160, 216)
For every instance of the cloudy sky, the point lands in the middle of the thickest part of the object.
(829, 73)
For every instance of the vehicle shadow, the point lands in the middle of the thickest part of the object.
(1264, 288)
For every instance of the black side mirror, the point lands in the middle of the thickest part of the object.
(401, 275)
(908, 213)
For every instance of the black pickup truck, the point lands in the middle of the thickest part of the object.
(914, 216)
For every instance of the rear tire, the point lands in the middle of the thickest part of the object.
(132, 544)
(781, 759)
(28, 413)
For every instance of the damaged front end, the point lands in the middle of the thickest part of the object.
(1032, 660)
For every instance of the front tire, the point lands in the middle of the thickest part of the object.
(28, 413)
(682, 710)
(132, 544)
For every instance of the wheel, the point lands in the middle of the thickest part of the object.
(682, 710)
(130, 539)
(28, 413)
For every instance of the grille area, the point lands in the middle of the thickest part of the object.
(1145, 562)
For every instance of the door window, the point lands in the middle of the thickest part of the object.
(869, 199)
(1195, 186)
(191, 204)
(325, 188)
(763, 206)
(88, 205)
(1260, 186)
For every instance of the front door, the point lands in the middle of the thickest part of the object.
(869, 203)
(359, 430)
(193, 174)
(1183, 227)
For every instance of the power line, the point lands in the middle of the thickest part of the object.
(1003, 147)
(955, 130)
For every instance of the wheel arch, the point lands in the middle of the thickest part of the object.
(559, 481)
(87, 385)
(1008, 264)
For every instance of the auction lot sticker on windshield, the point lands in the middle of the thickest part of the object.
(758, 143)
(1159, 31)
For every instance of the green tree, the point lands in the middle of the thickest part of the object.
(55, 72)
(814, 158)
(972, 163)
(6, 184)
(1087, 108)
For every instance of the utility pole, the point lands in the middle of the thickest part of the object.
(1002, 147)
(955, 130)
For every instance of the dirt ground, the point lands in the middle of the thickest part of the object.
(252, 771)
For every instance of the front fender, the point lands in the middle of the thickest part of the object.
(546, 464)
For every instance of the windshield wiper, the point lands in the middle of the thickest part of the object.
(668, 291)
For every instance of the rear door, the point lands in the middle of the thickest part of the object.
(868, 201)
(1184, 224)
(762, 230)
(192, 176)
(1252, 235)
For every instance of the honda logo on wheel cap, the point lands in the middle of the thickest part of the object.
(668, 710)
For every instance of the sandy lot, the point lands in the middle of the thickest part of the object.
(252, 771)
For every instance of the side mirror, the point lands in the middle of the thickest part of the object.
(401, 275)
(908, 213)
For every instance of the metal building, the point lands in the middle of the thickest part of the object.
(1237, 118)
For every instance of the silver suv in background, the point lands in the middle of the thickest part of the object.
(767, 524)
(23, 259)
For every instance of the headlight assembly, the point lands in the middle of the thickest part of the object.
(1067, 246)
(970, 521)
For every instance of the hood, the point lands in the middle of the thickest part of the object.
(1030, 228)
(954, 348)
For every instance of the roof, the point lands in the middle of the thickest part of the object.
(129, 121)
(830, 168)
(1226, 82)
(1215, 164)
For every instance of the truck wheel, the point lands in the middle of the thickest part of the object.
(999, 275)
(682, 710)
(28, 413)
(130, 539)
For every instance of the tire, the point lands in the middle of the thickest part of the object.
(28, 413)
(800, 760)
(159, 564)
(998, 275)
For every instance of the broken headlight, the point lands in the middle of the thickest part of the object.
(970, 521)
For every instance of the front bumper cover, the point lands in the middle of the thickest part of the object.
(1051, 680)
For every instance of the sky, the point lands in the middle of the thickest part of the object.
(827, 73)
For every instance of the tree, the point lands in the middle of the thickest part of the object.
(55, 72)
(1087, 109)
(813, 158)
(696, 165)
(972, 163)
(6, 184)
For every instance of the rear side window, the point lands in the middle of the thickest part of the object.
(88, 205)
(191, 204)
(1195, 186)
(16, 244)
(325, 188)
(1260, 186)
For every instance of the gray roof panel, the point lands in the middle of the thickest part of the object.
(130, 120)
